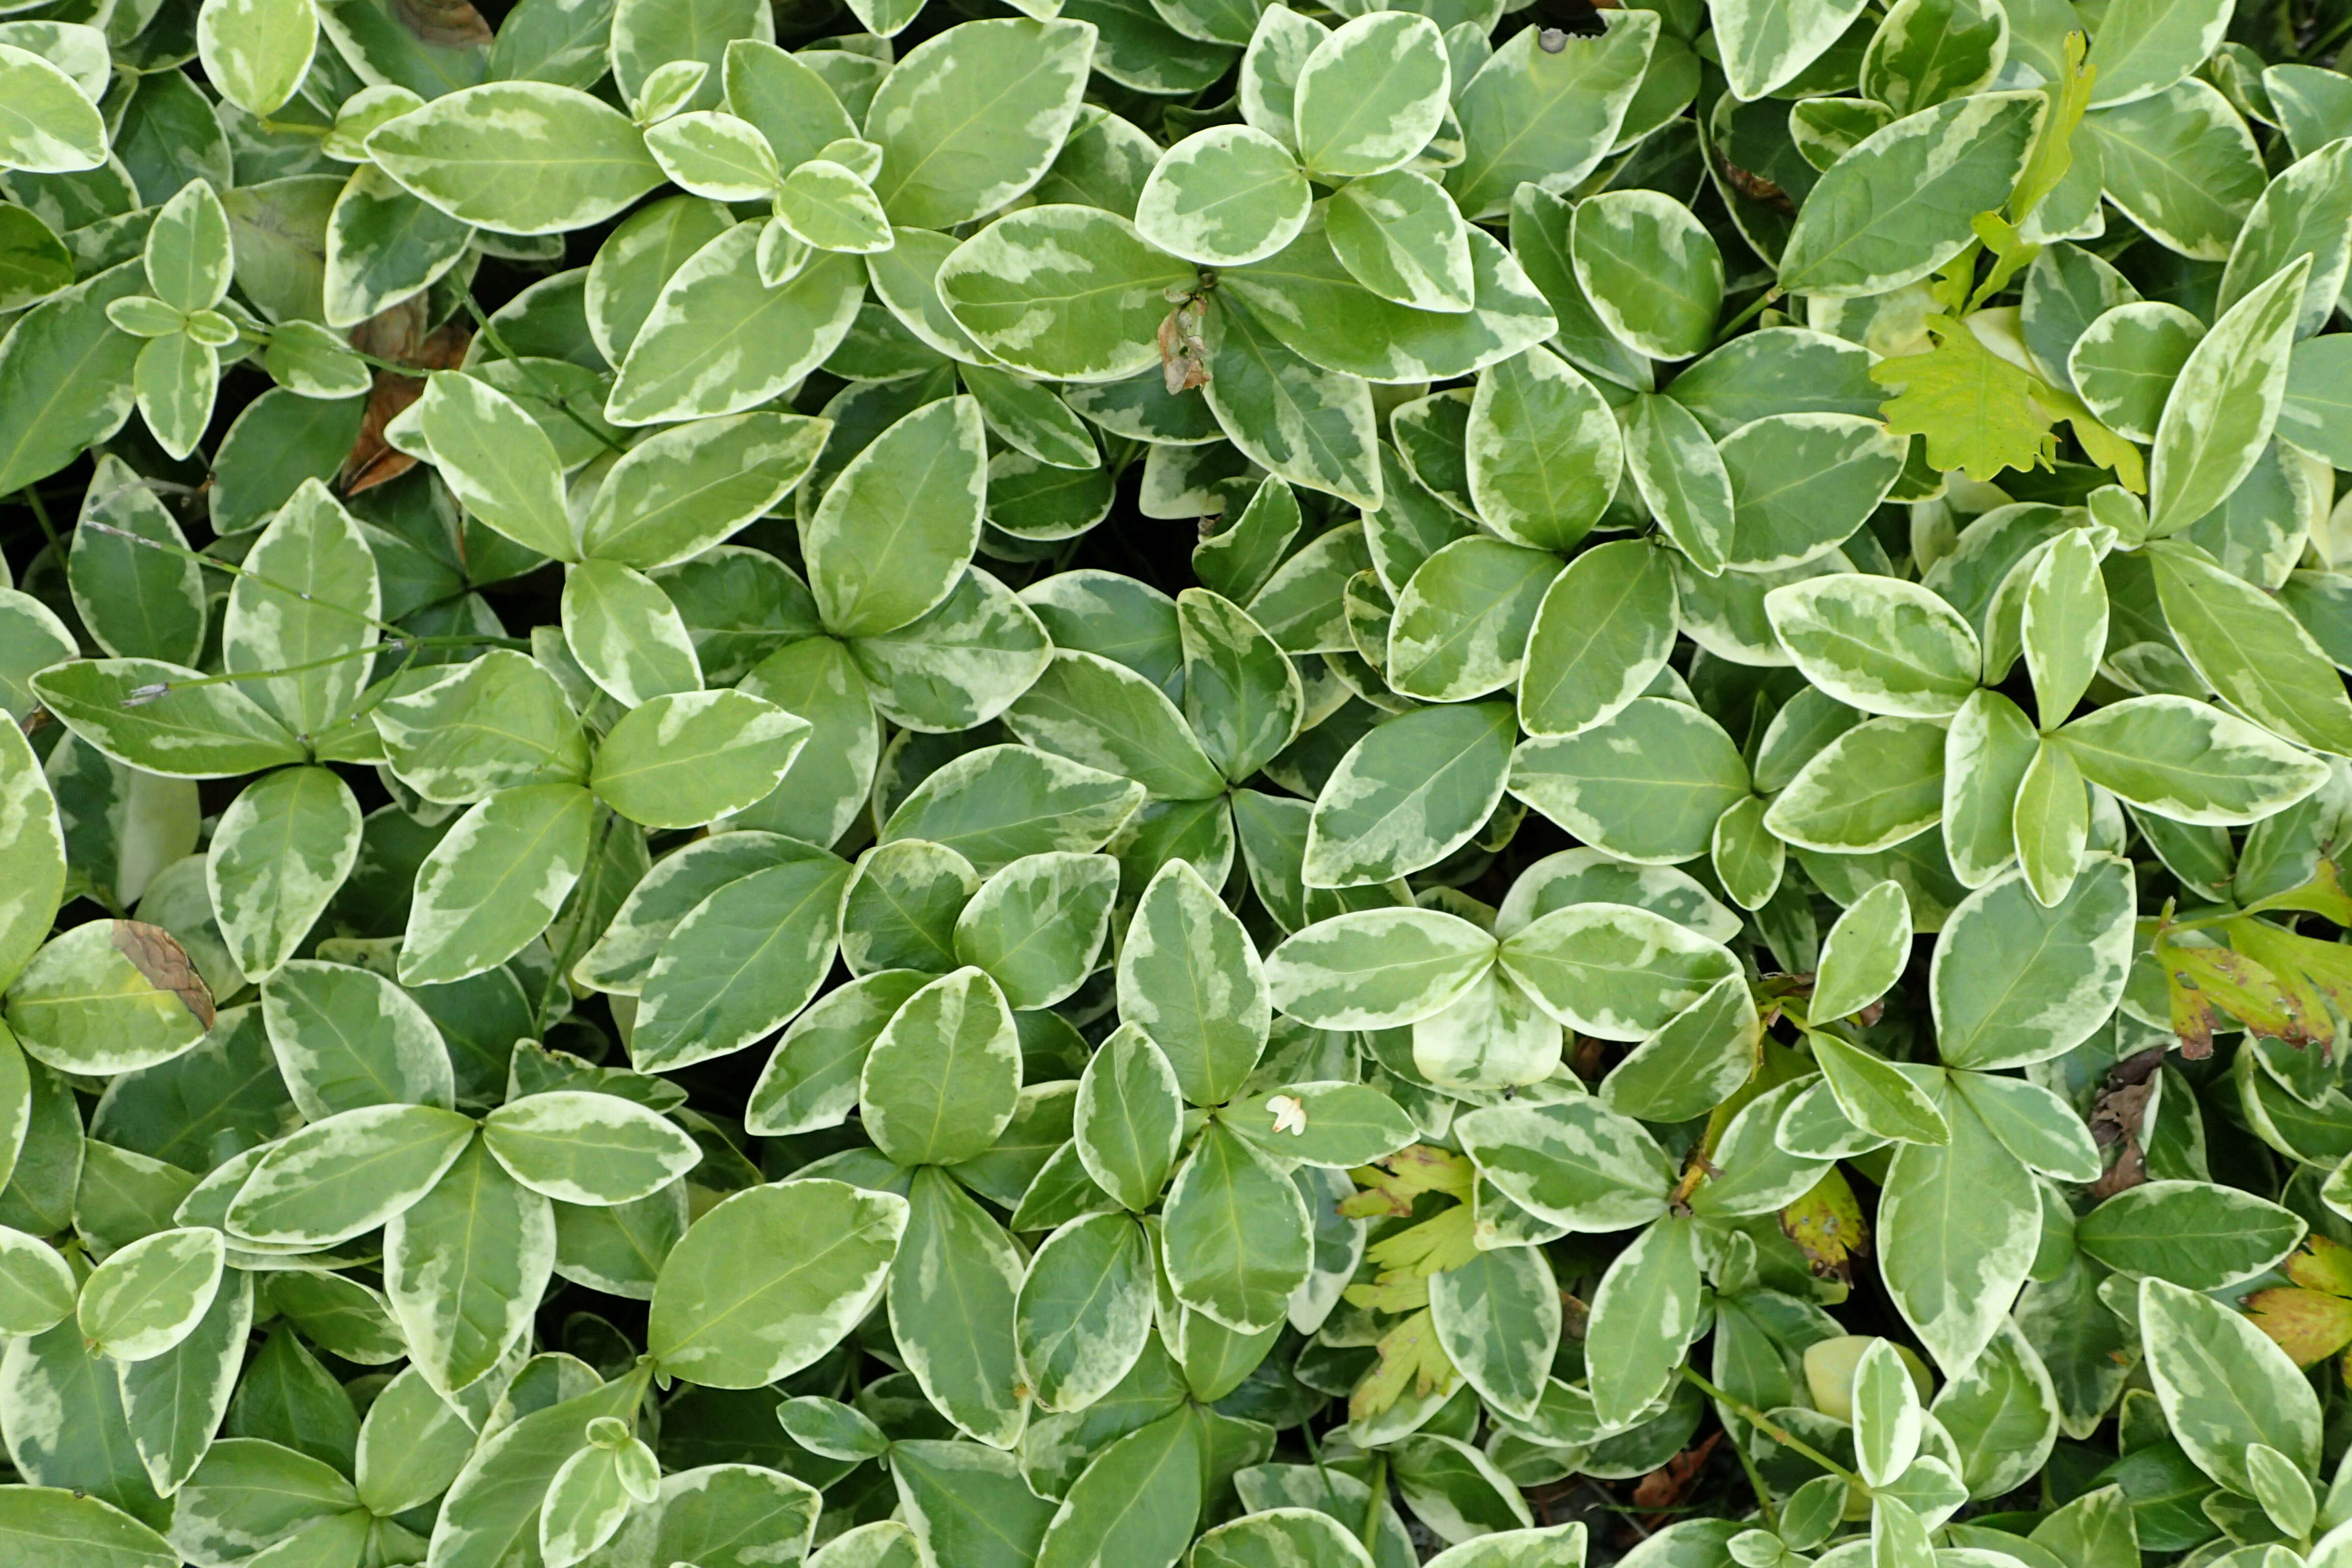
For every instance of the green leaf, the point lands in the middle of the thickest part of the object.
(257, 51)
(1313, 427)
(1531, 114)
(1877, 643)
(2196, 1235)
(463, 1267)
(970, 118)
(1242, 697)
(2013, 982)
(1274, 1537)
(770, 1280)
(740, 964)
(684, 760)
(523, 157)
(160, 717)
(684, 489)
(1498, 1318)
(2251, 650)
(968, 1501)
(717, 339)
(282, 852)
(1644, 1316)
(1575, 1164)
(383, 246)
(2224, 1385)
(2181, 166)
(2150, 44)
(109, 996)
(2224, 403)
(1063, 291)
(952, 1310)
(1104, 715)
(55, 1524)
(715, 155)
(50, 126)
(1651, 270)
(1613, 970)
(944, 1076)
(1877, 1097)
(1977, 410)
(32, 840)
(136, 601)
(345, 1038)
(1084, 1312)
(1543, 449)
(342, 1177)
(151, 1295)
(1898, 206)
(1462, 619)
(1646, 784)
(1870, 788)
(891, 536)
(1309, 299)
(498, 460)
(626, 635)
(1371, 95)
(1189, 976)
(66, 370)
(1401, 236)
(735, 1516)
(1958, 1225)
(496, 880)
(1036, 926)
(1864, 955)
(583, 1148)
(1602, 636)
(1238, 1240)
(1409, 794)
(1802, 483)
(2184, 760)
(37, 1288)
(1223, 196)
(1000, 802)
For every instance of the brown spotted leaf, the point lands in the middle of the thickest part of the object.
(1827, 1226)
(159, 956)
(2309, 1325)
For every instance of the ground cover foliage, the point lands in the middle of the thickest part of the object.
(1169, 780)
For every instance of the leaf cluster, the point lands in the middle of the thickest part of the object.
(1090, 783)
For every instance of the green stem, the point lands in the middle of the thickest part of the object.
(1770, 1427)
(234, 570)
(562, 405)
(1370, 1533)
(1756, 1480)
(1755, 308)
(1315, 1452)
(146, 694)
(41, 515)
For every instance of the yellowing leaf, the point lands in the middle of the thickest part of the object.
(1446, 1241)
(1412, 1357)
(2309, 1325)
(2322, 1265)
(2054, 149)
(1976, 409)
(1827, 1226)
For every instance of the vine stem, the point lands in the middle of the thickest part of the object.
(1770, 1427)
(234, 570)
(1372, 1530)
(562, 402)
(403, 643)
(1755, 308)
